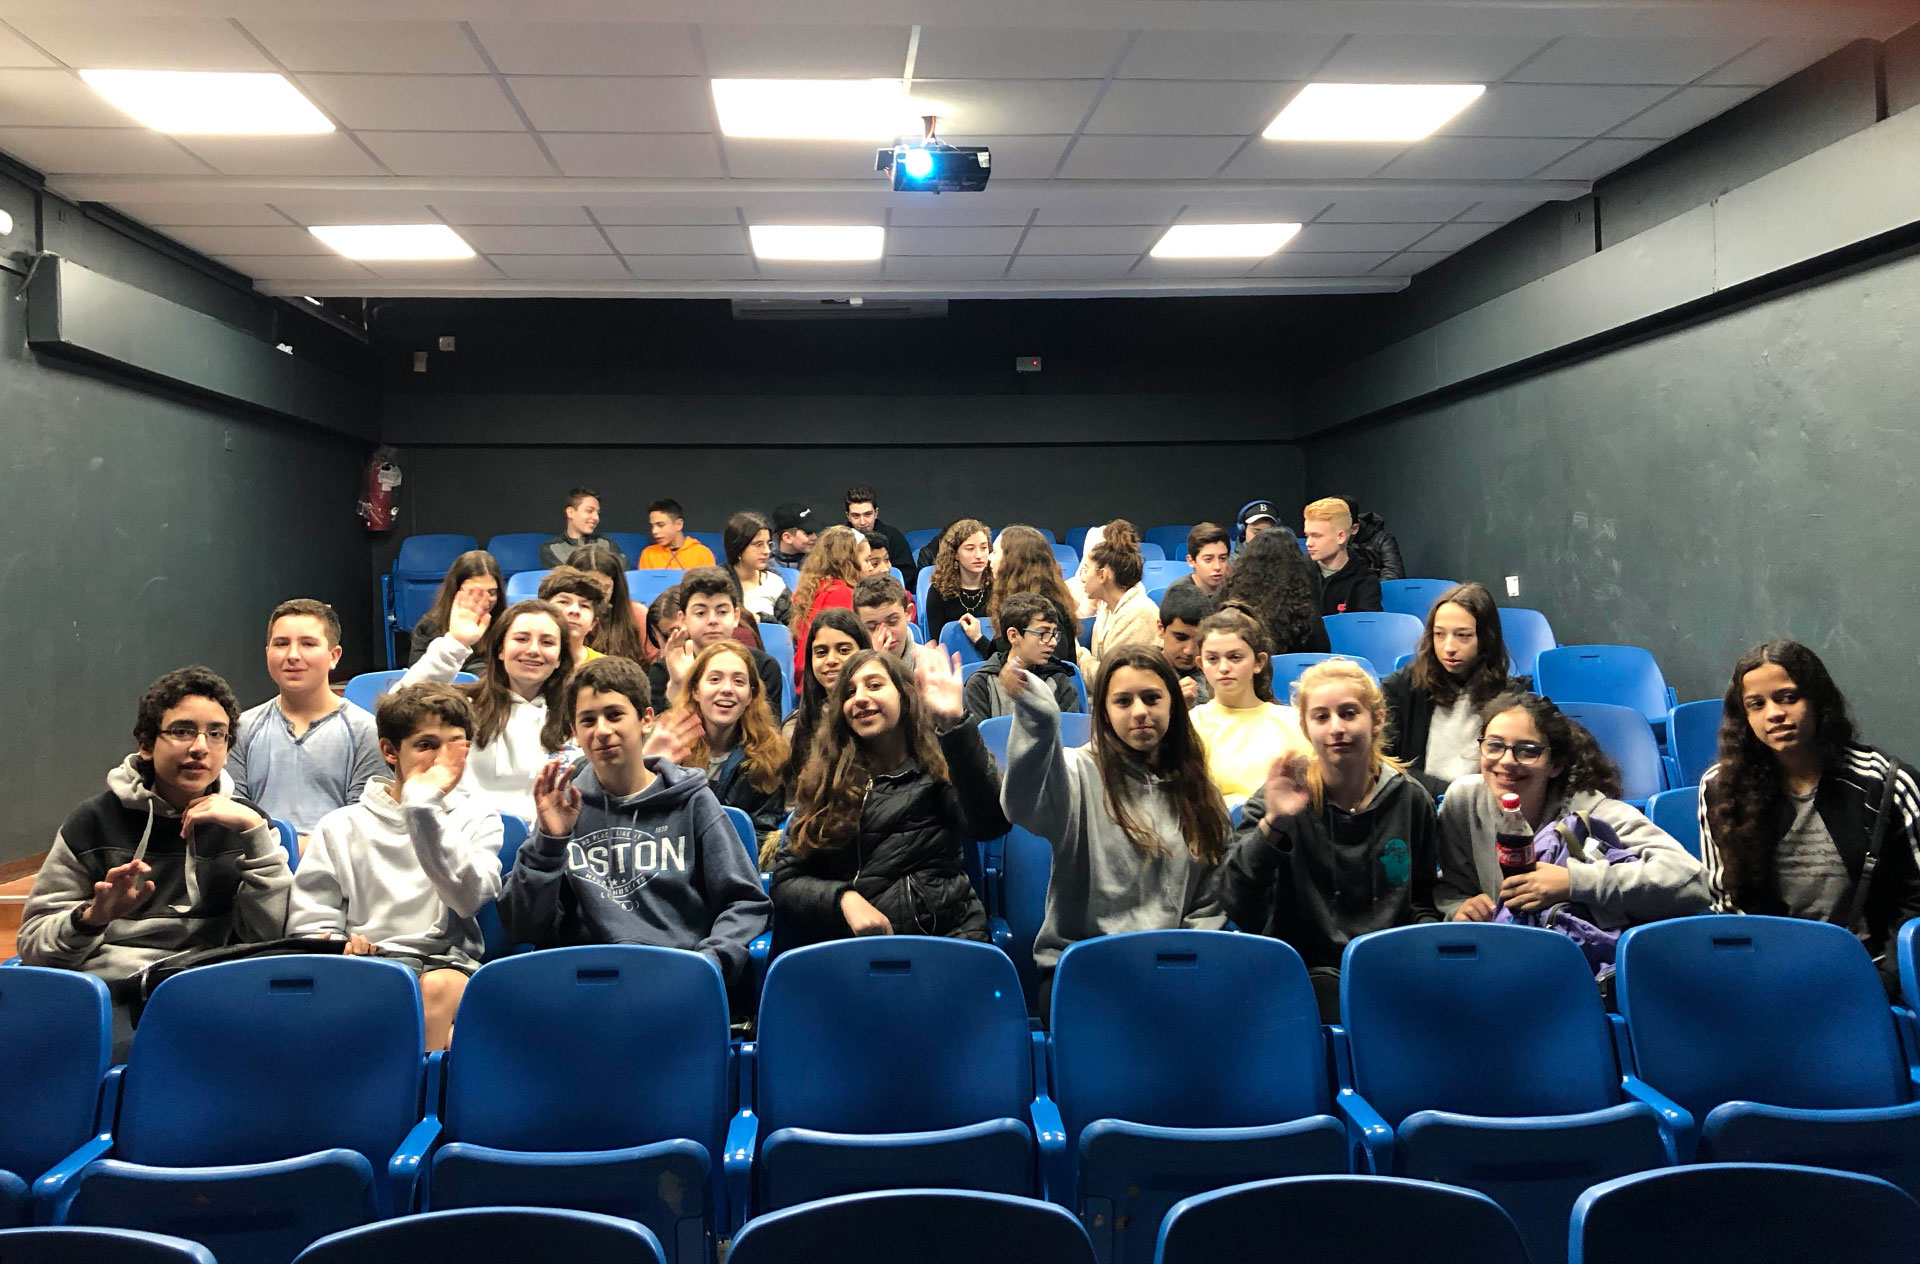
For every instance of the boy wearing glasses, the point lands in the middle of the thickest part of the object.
(307, 751)
(1033, 634)
(161, 861)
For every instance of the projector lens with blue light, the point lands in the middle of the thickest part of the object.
(918, 163)
(936, 167)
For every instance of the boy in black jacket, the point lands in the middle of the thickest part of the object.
(1347, 584)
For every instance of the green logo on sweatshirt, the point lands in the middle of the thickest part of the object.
(1396, 861)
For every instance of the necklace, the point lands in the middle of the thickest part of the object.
(979, 598)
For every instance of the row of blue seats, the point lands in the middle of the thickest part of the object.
(1720, 1213)
(602, 1079)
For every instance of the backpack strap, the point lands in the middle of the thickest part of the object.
(1576, 843)
(1849, 908)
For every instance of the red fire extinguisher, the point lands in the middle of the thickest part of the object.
(378, 502)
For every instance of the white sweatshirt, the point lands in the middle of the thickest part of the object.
(500, 774)
(408, 875)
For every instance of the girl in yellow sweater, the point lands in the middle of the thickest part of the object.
(1243, 728)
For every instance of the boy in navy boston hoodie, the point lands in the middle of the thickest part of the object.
(629, 847)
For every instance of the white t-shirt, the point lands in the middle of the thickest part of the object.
(1451, 749)
(760, 597)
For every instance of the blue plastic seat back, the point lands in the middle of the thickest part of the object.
(1077, 537)
(649, 584)
(1678, 813)
(1068, 557)
(953, 639)
(1743, 1213)
(365, 690)
(542, 1036)
(1076, 729)
(517, 551)
(967, 670)
(917, 540)
(715, 541)
(921, 587)
(273, 1058)
(1378, 638)
(928, 1226)
(1134, 1014)
(1412, 596)
(1527, 634)
(1150, 552)
(1349, 1219)
(1162, 575)
(491, 1235)
(1476, 1018)
(1288, 668)
(418, 568)
(1171, 539)
(74, 1245)
(789, 575)
(892, 1033)
(749, 837)
(1693, 738)
(630, 543)
(1627, 738)
(56, 1033)
(1622, 675)
(1026, 870)
(524, 585)
(493, 936)
(1156, 595)
(1772, 1010)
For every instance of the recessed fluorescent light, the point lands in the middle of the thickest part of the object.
(393, 241)
(819, 109)
(1222, 241)
(210, 103)
(1371, 111)
(841, 242)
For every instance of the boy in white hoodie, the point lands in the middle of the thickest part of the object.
(402, 873)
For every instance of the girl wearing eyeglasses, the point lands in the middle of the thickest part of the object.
(1528, 748)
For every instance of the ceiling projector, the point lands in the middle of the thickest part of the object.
(930, 165)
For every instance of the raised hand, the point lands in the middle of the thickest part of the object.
(123, 890)
(449, 765)
(1286, 787)
(673, 736)
(1015, 680)
(938, 676)
(678, 656)
(468, 619)
(556, 800)
(219, 809)
(971, 626)
(862, 917)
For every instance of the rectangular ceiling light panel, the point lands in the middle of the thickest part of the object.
(1401, 112)
(393, 241)
(837, 242)
(819, 109)
(1223, 241)
(210, 103)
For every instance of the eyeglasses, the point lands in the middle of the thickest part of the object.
(1523, 752)
(1046, 636)
(186, 734)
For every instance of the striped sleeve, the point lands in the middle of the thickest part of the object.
(1722, 900)
(1874, 768)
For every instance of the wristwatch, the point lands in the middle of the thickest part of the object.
(80, 923)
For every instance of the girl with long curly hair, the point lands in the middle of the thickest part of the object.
(835, 565)
(1796, 804)
(962, 576)
(1273, 579)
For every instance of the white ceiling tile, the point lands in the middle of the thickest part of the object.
(1449, 237)
(950, 268)
(1072, 267)
(590, 48)
(832, 273)
(327, 267)
(713, 239)
(1225, 55)
(53, 98)
(1021, 157)
(99, 151)
(1255, 206)
(536, 240)
(421, 48)
(1357, 238)
(692, 267)
(284, 240)
(359, 208)
(1147, 157)
(808, 52)
(462, 214)
(613, 213)
(458, 153)
(1158, 209)
(1525, 109)
(1288, 264)
(1476, 158)
(1498, 212)
(1410, 263)
(1008, 107)
(615, 154)
(802, 159)
(432, 269)
(1590, 59)
(131, 43)
(1773, 61)
(952, 241)
(446, 103)
(1169, 269)
(15, 51)
(164, 215)
(589, 103)
(1309, 160)
(1004, 53)
(1597, 158)
(331, 154)
(945, 212)
(790, 207)
(1091, 239)
(562, 267)
(1684, 111)
(1426, 59)
(1138, 107)
(1385, 209)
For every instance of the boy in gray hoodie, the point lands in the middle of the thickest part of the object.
(162, 861)
(629, 847)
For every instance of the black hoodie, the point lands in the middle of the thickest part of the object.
(986, 699)
(1353, 589)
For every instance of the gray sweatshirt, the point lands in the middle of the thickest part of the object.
(1101, 883)
(220, 888)
(1667, 882)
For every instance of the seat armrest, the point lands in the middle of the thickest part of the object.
(1051, 1134)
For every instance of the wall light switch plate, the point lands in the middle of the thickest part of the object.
(1513, 585)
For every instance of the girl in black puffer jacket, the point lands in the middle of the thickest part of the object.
(884, 809)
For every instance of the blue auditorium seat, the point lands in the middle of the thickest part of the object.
(1078, 538)
(364, 690)
(1076, 729)
(493, 937)
(1378, 638)
(518, 551)
(1413, 597)
(917, 540)
(524, 586)
(1171, 539)
(1163, 574)
(56, 1034)
(1678, 813)
(925, 1226)
(953, 639)
(716, 542)
(1621, 675)
(1338, 1220)
(1693, 740)
(491, 1235)
(1288, 668)
(408, 589)
(289, 841)
(1528, 635)
(1068, 557)
(646, 585)
(1152, 552)
(630, 543)
(67, 1244)
(1628, 740)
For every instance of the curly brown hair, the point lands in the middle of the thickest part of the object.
(1027, 565)
(946, 566)
(835, 555)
